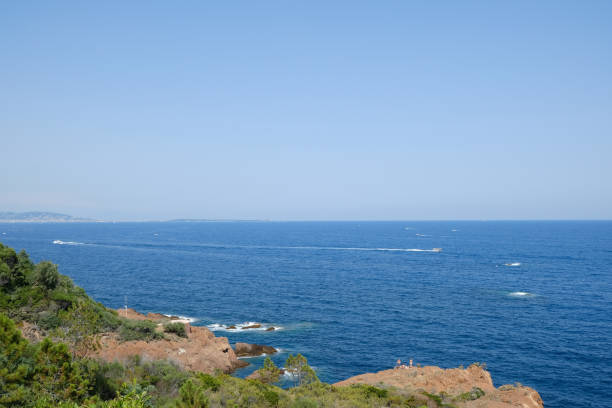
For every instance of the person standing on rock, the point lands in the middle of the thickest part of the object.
(398, 364)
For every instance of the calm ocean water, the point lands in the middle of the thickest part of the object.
(531, 299)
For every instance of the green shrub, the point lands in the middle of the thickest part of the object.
(271, 397)
(209, 382)
(47, 274)
(133, 399)
(471, 395)
(5, 275)
(48, 321)
(63, 299)
(371, 391)
(305, 403)
(192, 396)
(176, 328)
(436, 398)
(269, 373)
(139, 330)
(8, 256)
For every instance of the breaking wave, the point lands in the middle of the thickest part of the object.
(240, 327)
(521, 294)
(182, 318)
(373, 249)
(58, 242)
(187, 246)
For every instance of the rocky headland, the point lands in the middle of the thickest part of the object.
(471, 387)
(200, 350)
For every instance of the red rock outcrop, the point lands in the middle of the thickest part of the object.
(200, 351)
(453, 382)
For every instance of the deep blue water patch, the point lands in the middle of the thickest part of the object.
(353, 296)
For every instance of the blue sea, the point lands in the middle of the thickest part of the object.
(531, 299)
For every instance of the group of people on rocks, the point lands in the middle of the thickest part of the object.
(399, 364)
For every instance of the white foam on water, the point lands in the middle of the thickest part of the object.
(242, 327)
(513, 264)
(422, 235)
(289, 374)
(257, 356)
(454, 230)
(307, 248)
(58, 242)
(182, 318)
(189, 319)
(386, 249)
(520, 294)
(361, 249)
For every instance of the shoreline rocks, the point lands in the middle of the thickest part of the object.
(200, 351)
(252, 350)
(471, 387)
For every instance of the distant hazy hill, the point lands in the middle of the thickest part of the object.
(212, 220)
(39, 216)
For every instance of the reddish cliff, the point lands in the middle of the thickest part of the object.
(200, 351)
(458, 386)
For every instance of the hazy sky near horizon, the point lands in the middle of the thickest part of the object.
(307, 110)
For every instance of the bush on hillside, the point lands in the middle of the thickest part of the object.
(177, 328)
(144, 330)
(46, 275)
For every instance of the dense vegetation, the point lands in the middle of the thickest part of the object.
(59, 371)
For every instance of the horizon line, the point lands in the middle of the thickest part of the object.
(211, 220)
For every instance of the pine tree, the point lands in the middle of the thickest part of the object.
(14, 368)
(302, 373)
(270, 373)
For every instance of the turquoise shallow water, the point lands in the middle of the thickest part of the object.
(354, 296)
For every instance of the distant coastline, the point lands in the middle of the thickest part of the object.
(51, 217)
(212, 220)
(40, 217)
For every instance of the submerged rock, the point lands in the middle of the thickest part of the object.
(253, 326)
(252, 350)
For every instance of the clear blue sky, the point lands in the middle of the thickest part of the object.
(307, 110)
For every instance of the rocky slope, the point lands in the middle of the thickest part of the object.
(457, 386)
(200, 351)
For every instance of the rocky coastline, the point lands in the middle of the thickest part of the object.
(202, 351)
(199, 351)
(471, 387)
